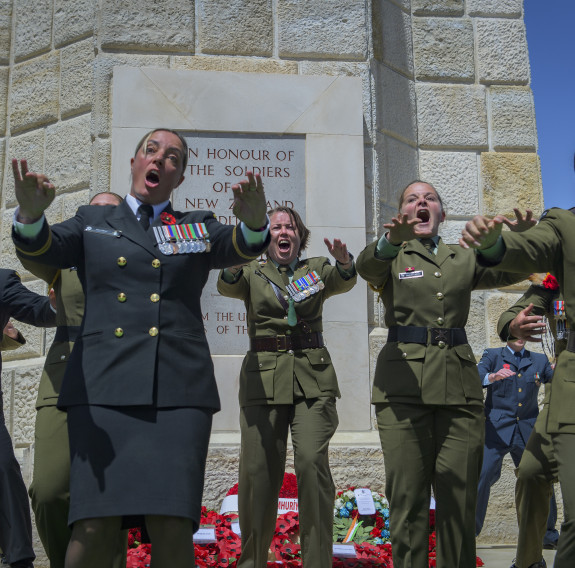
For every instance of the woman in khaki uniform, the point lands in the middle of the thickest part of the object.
(550, 246)
(427, 391)
(287, 382)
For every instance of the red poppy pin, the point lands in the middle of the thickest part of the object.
(506, 366)
(167, 218)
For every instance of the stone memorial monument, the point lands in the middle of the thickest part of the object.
(337, 103)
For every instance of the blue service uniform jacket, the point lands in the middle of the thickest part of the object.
(512, 402)
(142, 339)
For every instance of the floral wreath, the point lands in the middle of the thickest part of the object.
(369, 534)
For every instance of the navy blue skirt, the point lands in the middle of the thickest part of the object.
(135, 461)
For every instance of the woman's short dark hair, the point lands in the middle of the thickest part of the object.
(402, 194)
(302, 230)
(146, 137)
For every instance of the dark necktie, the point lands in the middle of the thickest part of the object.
(429, 245)
(284, 269)
(518, 360)
(146, 213)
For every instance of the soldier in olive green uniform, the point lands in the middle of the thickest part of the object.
(550, 246)
(427, 391)
(537, 471)
(50, 488)
(287, 382)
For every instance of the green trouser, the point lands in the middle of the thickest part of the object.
(564, 446)
(425, 446)
(536, 474)
(50, 488)
(264, 432)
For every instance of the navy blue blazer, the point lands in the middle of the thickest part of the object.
(512, 402)
(142, 339)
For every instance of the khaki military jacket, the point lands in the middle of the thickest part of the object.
(550, 247)
(69, 313)
(419, 289)
(268, 377)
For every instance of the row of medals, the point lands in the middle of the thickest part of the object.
(179, 244)
(305, 287)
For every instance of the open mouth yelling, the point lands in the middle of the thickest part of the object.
(284, 245)
(152, 178)
(423, 215)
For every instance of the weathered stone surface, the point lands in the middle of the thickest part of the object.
(5, 31)
(493, 8)
(165, 25)
(502, 51)
(4, 77)
(101, 167)
(334, 29)
(438, 7)
(30, 147)
(26, 380)
(68, 152)
(450, 115)
(348, 69)
(450, 230)
(395, 104)
(7, 395)
(443, 49)
(73, 20)
(103, 68)
(392, 37)
(9, 259)
(512, 118)
(511, 180)
(360, 465)
(455, 175)
(33, 32)
(220, 33)
(76, 78)
(398, 166)
(476, 328)
(35, 92)
(236, 64)
(71, 202)
(2, 154)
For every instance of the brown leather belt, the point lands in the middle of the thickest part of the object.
(287, 342)
(427, 335)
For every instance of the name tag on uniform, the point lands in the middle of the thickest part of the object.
(411, 274)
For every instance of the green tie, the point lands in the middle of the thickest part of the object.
(429, 245)
(292, 316)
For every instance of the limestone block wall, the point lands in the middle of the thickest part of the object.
(446, 98)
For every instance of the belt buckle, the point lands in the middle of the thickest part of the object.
(281, 340)
(439, 334)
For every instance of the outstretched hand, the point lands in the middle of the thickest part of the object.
(34, 192)
(501, 374)
(250, 201)
(526, 326)
(339, 251)
(401, 229)
(521, 223)
(481, 232)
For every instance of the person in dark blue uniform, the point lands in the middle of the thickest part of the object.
(139, 387)
(18, 302)
(512, 376)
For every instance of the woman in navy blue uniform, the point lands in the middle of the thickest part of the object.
(139, 387)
